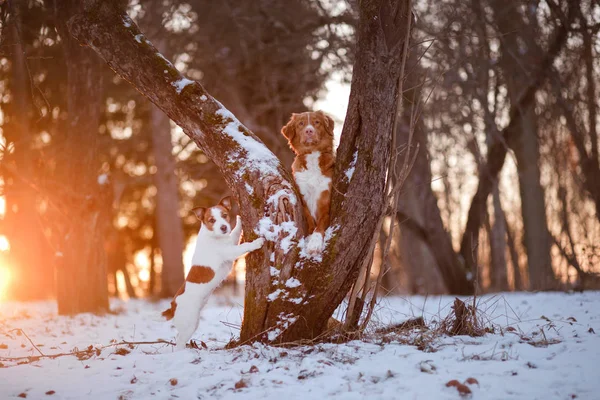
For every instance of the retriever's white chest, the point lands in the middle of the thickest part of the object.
(312, 182)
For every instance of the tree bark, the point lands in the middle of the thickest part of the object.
(276, 310)
(81, 277)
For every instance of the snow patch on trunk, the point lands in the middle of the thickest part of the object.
(181, 84)
(256, 157)
(352, 166)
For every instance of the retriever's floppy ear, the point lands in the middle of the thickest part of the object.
(328, 122)
(226, 202)
(199, 212)
(288, 130)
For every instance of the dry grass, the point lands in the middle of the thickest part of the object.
(464, 320)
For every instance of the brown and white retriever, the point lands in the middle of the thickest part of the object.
(310, 136)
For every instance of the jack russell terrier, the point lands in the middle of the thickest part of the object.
(216, 249)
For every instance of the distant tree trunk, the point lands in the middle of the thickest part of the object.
(277, 308)
(496, 153)
(418, 257)
(498, 273)
(514, 258)
(526, 148)
(431, 248)
(81, 277)
(152, 277)
(32, 271)
(169, 227)
(533, 206)
(585, 135)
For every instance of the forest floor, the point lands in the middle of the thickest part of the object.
(544, 346)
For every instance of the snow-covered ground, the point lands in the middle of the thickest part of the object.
(553, 352)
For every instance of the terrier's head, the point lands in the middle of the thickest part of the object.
(215, 220)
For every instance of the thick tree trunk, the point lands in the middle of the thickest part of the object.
(81, 270)
(168, 222)
(276, 308)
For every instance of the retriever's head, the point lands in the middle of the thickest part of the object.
(309, 131)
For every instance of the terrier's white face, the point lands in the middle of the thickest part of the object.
(215, 220)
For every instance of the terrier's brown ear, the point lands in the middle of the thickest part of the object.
(199, 212)
(288, 130)
(226, 202)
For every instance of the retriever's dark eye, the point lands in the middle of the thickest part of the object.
(317, 122)
(301, 124)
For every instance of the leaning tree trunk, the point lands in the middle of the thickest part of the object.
(288, 297)
(81, 280)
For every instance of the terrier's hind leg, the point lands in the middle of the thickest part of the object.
(184, 334)
(185, 321)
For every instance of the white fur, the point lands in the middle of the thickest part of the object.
(311, 182)
(315, 243)
(309, 125)
(218, 251)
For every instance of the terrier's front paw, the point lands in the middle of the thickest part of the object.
(257, 243)
(238, 220)
(315, 243)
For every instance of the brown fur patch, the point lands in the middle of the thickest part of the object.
(323, 211)
(200, 274)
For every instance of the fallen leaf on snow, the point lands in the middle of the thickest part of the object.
(472, 381)
(241, 384)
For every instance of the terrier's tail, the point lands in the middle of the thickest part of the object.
(170, 312)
